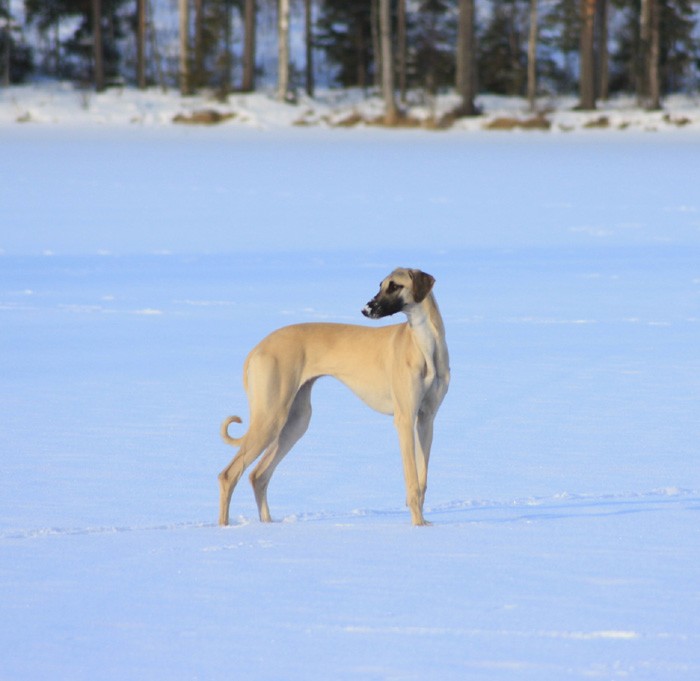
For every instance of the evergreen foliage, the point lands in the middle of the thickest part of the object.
(347, 33)
(502, 53)
(16, 61)
(344, 32)
(73, 56)
(432, 36)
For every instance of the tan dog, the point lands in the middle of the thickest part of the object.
(402, 370)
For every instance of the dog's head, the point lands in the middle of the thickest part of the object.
(401, 288)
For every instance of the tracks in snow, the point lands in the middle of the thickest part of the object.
(558, 507)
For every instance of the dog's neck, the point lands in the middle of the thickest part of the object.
(426, 323)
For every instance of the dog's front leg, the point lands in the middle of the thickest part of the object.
(424, 432)
(406, 431)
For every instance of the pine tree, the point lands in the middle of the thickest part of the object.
(678, 56)
(309, 47)
(587, 90)
(679, 44)
(15, 56)
(79, 49)
(344, 32)
(5, 44)
(560, 29)
(283, 50)
(206, 57)
(141, 44)
(466, 57)
(391, 113)
(97, 48)
(184, 57)
(432, 37)
(249, 43)
(532, 57)
(502, 53)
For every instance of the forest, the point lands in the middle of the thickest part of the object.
(528, 48)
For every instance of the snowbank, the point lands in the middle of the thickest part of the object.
(65, 105)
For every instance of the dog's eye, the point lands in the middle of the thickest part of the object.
(393, 287)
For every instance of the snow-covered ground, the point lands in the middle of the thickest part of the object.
(138, 267)
(63, 104)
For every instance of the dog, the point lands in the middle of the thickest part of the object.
(400, 370)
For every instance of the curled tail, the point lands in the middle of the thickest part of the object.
(235, 441)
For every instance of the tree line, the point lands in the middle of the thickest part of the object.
(514, 47)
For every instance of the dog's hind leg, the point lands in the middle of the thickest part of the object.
(271, 393)
(293, 430)
(254, 442)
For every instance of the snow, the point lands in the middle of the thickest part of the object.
(61, 103)
(139, 265)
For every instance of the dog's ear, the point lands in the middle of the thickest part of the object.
(422, 285)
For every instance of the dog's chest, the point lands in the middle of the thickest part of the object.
(435, 371)
(426, 343)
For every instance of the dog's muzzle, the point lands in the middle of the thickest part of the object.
(370, 310)
(382, 307)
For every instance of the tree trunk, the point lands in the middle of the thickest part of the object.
(155, 52)
(56, 48)
(227, 61)
(401, 48)
(587, 69)
(643, 57)
(248, 84)
(99, 74)
(309, 40)
(376, 42)
(603, 52)
(532, 58)
(391, 114)
(198, 79)
(5, 67)
(141, 44)
(360, 50)
(283, 50)
(654, 87)
(466, 59)
(184, 47)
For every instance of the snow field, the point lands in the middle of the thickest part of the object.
(61, 104)
(564, 486)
